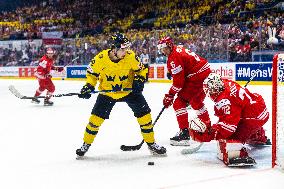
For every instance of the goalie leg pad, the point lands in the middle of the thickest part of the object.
(234, 154)
(259, 138)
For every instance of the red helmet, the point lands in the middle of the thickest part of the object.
(50, 51)
(165, 42)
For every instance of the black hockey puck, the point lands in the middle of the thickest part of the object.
(151, 163)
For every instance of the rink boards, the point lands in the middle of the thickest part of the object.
(238, 71)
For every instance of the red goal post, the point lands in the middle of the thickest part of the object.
(278, 111)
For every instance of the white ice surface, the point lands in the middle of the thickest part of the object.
(38, 146)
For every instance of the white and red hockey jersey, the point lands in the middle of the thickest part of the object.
(185, 65)
(236, 104)
(44, 67)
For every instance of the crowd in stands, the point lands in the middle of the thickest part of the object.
(219, 30)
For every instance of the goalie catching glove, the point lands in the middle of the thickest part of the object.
(86, 91)
(200, 132)
(138, 84)
(197, 125)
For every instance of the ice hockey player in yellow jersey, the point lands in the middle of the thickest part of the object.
(119, 70)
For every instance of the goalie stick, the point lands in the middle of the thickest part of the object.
(192, 150)
(138, 146)
(15, 92)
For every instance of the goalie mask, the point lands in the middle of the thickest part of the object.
(213, 85)
(119, 41)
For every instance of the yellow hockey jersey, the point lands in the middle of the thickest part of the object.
(114, 76)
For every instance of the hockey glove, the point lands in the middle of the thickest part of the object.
(138, 84)
(206, 136)
(86, 91)
(169, 76)
(48, 76)
(168, 100)
(59, 69)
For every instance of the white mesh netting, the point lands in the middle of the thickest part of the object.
(280, 113)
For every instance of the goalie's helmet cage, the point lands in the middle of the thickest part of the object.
(118, 40)
(213, 85)
(165, 42)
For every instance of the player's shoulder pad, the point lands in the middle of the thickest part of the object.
(221, 103)
(129, 52)
(102, 54)
(131, 55)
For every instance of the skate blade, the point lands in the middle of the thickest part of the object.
(158, 155)
(242, 165)
(35, 102)
(181, 143)
(80, 157)
(48, 104)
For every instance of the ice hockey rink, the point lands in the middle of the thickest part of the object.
(38, 146)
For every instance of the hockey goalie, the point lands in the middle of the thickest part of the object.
(241, 114)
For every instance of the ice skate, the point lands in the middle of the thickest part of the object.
(35, 100)
(243, 161)
(182, 138)
(81, 151)
(47, 102)
(155, 149)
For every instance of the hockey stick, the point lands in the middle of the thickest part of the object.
(192, 150)
(15, 92)
(138, 146)
(71, 61)
(253, 75)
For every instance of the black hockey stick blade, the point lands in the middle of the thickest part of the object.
(132, 148)
(138, 146)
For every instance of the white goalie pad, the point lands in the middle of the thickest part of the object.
(197, 125)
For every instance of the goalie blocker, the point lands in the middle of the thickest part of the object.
(241, 114)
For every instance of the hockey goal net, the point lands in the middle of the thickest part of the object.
(278, 111)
